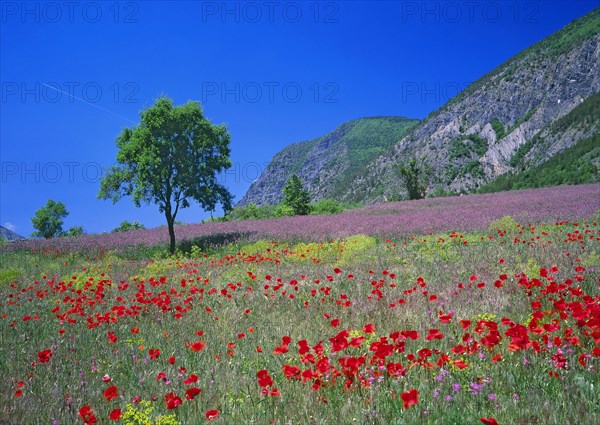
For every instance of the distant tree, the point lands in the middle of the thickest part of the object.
(125, 226)
(48, 220)
(75, 231)
(415, 177)
(171, 158)
(295, 197)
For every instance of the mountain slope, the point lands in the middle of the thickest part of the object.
(327, 165)
(472, 139)
(9, 235)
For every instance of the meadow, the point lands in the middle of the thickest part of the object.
(475, 309)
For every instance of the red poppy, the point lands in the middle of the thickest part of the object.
(154, 353)
(192, 392)
(369, 328)
(172, 360)
(115, 415)
(112, 338)
(172, 400)
(264, 380)
(281, 349)
(410, 397)
(489, 421)
(211, 414)
(291, 371)
(44, 356)
(192, 379)
(198, 346)
(110, 393)
(87, 414)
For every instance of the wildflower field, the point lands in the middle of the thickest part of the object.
(494, 320)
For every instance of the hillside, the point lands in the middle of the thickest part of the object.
(516, 117)
(327, 165)
(537, 104)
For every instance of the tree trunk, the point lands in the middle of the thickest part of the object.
(170, 222)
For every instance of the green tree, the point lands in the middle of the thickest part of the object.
(415, 178)
(48, 220)
(295, 197)
(171, 158)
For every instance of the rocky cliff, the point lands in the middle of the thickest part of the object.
(535, 105)
(327, 165)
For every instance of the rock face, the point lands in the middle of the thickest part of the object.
(328, 164)
(9, 235)
(533, 106)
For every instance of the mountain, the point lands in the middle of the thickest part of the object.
(327, 165)
(516, 117)
(9, 235)
(537, 104)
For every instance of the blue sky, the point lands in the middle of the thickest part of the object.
(74, 74)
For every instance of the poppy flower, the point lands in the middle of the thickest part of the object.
(489, 421)
(172, 400)
(154, 353)
(110, 393)
(193, 378)
(290, 371)
(44, 356)
(115, 415)
(192, 392)
(369, 328)
(211, 414)
(410, 397)
(264, 380)
(87, 414)
(198, 346)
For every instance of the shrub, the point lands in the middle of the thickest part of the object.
(75, 231)
(326, 206)
(283, 210)
(126, 226)
(506, 224)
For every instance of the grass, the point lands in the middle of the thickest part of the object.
(353, 298)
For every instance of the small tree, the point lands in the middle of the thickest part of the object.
(171, 158)
(75, 231)
(415, 178)
(48, 220)
(295, 197)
